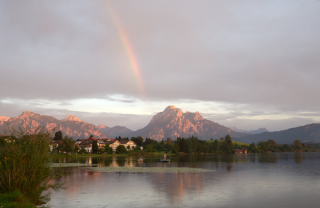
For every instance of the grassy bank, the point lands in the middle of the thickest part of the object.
(75, 155)
(14, 200)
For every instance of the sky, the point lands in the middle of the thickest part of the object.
(245, 64)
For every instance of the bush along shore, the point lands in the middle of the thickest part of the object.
(25, 169)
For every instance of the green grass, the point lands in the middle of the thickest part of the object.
(14, 200)
(238, 143)
(62, 155)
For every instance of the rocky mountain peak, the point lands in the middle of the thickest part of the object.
(101, 126)
(173, 123)
(193, 116)
(170, 113)
(27, 114)
(170, 107)
(72, 118)
(3, 118)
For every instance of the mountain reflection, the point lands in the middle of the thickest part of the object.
(176, 185)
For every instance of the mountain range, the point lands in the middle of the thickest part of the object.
(307, 134)
(71, 125)
(171, 123)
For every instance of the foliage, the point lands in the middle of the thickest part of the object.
(227, 145)
(58, 135)
(101, 150)
(67, 145)
(15, 200)
(121, 149)
(175, 148)
(95, 147)
(297, 145)
(108, 149)
(252, 148)
(76, 148)
(82, 150)
(138, 140)
(263, 146)
(149, 148)
(24, 164)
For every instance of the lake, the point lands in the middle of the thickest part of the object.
(240, 180)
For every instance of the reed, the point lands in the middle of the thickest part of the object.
(24, 165)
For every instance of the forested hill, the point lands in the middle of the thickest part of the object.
(307, 134)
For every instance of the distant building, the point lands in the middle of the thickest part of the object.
(113, 143)
(240, 151)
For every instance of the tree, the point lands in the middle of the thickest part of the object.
(82, 150)
(121, 149)
(76, 148)
(95, 147)
(67, 145)
(227, 145)
(252, 148)
(297, 144)
(264, 146)
(108, 149)
(100, 150)
(273, 146)
(175, 148)
(58, 135)
(150, 148)
(138, 140)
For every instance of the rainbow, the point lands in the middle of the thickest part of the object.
(127, 45)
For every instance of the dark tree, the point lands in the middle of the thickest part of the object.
(264, 146)
(108, 149)
(121, 149)
(169, 141)
(95, 146)
(58, 135)
(138, 140)
(67, 145)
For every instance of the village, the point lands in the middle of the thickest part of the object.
(87, 144)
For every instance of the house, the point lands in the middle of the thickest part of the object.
(127, 144)
(113, 143)
(54, 144)
(240, 151)
(87, 143)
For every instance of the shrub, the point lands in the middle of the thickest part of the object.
(24, 165)
(121, 149)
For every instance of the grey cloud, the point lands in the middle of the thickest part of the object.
(65, 104)
(238, 52)
(122, 100)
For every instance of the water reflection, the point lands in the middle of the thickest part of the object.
(246, 180)
(298, 157)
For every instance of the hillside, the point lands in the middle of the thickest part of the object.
(308, 133)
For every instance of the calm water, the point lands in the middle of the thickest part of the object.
(251, 180)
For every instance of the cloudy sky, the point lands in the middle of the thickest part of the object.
(244, 64)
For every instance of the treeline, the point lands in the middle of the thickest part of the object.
(186, 145)
(272, 146)
(223, 146)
